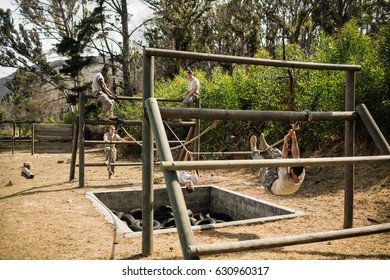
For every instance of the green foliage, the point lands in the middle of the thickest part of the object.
(268, 89)
(3, 113)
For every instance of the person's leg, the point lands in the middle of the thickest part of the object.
(108, 105)
(113, 158)
(187, 101)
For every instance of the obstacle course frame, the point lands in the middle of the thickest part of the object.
(152, 122)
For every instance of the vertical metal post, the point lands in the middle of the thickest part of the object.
(81, 138)
(32, 138)
(175, 193)
(349, 149)
(74, 150)
(147, 159)
(13, 136)
(20, 133)
(197, 132)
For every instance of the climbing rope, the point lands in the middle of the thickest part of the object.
(183, 145)
(131, 137)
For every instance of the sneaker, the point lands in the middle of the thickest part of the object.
(112, 117)
(103, 117)
(263, 144)
(253, 142)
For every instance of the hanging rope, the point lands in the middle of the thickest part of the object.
(295, 126)
(131, 137)
(183, 145)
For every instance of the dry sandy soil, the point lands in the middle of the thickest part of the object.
(49, 218)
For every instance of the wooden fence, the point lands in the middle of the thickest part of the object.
(52, 138)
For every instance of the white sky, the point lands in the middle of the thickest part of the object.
(139, 11)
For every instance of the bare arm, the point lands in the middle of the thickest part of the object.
(105, 89)
(286, 138)
(193, 91)
(294, 146)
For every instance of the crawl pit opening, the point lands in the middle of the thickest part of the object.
(205, 199)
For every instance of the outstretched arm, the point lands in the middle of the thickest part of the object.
(294, 146)
(286, 138)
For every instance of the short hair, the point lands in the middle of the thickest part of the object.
(189, 71)
(105, 68)
(112, 127)
(298, 170)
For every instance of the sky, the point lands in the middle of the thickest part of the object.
(137, 8)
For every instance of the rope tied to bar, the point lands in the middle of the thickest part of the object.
(295, 126)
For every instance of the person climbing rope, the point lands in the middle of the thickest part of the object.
(282, 180)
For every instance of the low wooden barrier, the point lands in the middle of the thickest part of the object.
(52, 138)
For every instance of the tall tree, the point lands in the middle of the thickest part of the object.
(175, 23)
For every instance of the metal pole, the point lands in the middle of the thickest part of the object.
(13, 136)
(248, 115)
(175, 192)
(252, 163)
(249, 60)
(373, 129)
(349, 149)
(197, 132)
(147, 159)
(266, 243)
(74, 150)
(20, 132)
(32, 138)
(81, 139)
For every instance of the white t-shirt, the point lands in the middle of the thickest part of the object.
(192, 83)
(285, 185)
(183, 177)
(95, 82)
(114, 137)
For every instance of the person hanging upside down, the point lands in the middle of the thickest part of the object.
(282, 180)
(187, 179)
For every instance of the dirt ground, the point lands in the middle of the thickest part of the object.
(49, 218)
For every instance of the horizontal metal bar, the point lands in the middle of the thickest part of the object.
(272, 242)
(127, 142)
(249, 60)
(111, 142)
(113, 122)
(18, 122)
(130, 98)
(249, 163)
(93, 164)
(223, 153)
(248, 115)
